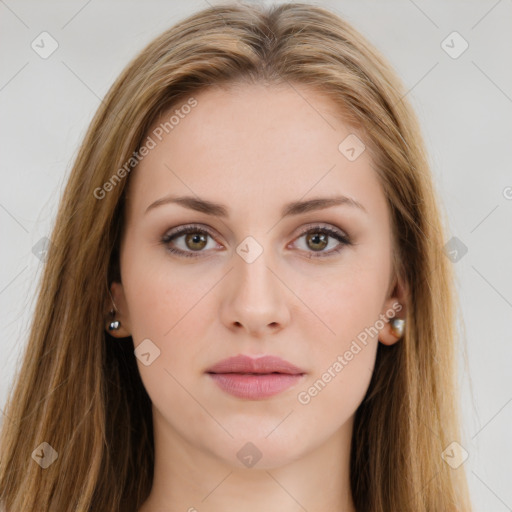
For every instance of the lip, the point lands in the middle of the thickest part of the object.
(255, 378)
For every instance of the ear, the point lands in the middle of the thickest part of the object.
(395, 306)
(121, 314)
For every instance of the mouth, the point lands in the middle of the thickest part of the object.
(255, 379)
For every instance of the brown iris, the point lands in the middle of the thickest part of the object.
(195, 241)
(319, 239)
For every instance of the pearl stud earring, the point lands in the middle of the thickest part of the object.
(397, 326)
(114, 325)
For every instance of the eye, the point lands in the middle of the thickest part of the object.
(317, 239)
(195, 240)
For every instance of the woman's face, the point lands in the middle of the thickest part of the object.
(259, 278)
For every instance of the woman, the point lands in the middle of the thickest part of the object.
(246, 304)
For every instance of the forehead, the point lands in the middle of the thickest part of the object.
(253, 146)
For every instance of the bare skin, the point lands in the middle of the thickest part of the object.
(255, 148)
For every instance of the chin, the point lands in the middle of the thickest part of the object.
(253, 449)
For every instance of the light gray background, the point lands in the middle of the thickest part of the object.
(464, 105)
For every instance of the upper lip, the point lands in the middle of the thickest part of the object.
(247, 364)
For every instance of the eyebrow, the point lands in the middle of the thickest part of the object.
(293, 208)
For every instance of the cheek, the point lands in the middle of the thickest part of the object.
(345, 343)
(332, 396)
(174, 308)
(173, 311)
(345, 303)
(161, 296)
(345, 335)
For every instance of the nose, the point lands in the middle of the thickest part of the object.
(256, 299)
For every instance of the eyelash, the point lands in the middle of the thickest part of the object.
(183, 230)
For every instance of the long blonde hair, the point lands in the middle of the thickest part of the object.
(78, 388)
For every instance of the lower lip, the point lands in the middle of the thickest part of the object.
(252, 386)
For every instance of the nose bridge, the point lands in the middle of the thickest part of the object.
(257, 299)
(253, 277)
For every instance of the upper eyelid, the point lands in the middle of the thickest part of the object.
(310, 225)
(184, 228)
